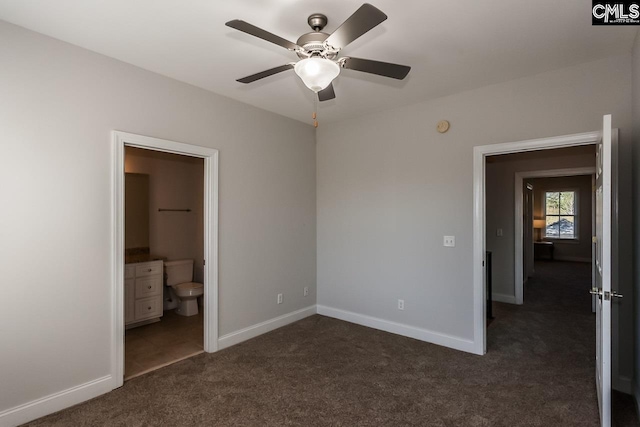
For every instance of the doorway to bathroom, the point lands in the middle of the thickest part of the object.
(164, 256)
(165, 253)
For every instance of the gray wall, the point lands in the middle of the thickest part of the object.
(636, 208)
(60, 103)
(389, 188)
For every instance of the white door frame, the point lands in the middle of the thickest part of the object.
(479, 227)
(519, 229)
(210, 157)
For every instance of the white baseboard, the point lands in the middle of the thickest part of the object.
(261, 328)
(55, 402)
(509, 299)
(400, 329)
(622, 384)
(571, 259)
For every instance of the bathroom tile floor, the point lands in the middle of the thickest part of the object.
(159, 344)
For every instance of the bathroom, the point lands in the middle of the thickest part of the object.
(164, 252)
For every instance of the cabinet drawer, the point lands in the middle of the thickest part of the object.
(129, 271)
(148, 307)
(149, 269)
(148, 286)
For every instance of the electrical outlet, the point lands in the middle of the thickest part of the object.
(400, 304)
(450, 241)
(499, 232)
(279, 298)
(306, 291)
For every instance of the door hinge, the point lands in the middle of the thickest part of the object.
(204, 262)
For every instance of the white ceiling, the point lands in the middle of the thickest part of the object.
(451, 46)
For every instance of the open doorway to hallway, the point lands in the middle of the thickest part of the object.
(511, 198)
(539, 227)
(539, 212)
(164, 253)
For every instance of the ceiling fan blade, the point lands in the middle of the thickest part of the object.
(245, 27)
(327, 93)
(386, 69)
(362, 20)
(265, 73)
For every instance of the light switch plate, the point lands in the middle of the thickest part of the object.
(499, 232)
(450, 241)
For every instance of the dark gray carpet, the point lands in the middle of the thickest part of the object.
(538, 371)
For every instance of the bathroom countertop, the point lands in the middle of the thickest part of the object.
(135, 258)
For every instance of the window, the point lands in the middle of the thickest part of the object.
(560, 213)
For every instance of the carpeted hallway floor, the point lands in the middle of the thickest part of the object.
(323, 372)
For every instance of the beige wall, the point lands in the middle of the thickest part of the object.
(579, 250)
(60, 103)
(175, 182)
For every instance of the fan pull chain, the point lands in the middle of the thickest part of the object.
(315, 111)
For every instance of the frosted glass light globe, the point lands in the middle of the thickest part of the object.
(317, 73)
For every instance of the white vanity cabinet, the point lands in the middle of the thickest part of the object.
(142, 292)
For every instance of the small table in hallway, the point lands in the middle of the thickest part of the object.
(543, 249)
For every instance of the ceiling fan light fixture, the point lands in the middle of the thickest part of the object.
(320, 61)
(317, 73)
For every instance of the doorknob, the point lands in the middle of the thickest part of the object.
(607, 295)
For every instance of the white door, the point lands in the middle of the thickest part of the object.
(603, 273)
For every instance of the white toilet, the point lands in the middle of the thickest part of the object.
(179, 278)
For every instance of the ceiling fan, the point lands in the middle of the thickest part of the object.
(319, 63)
